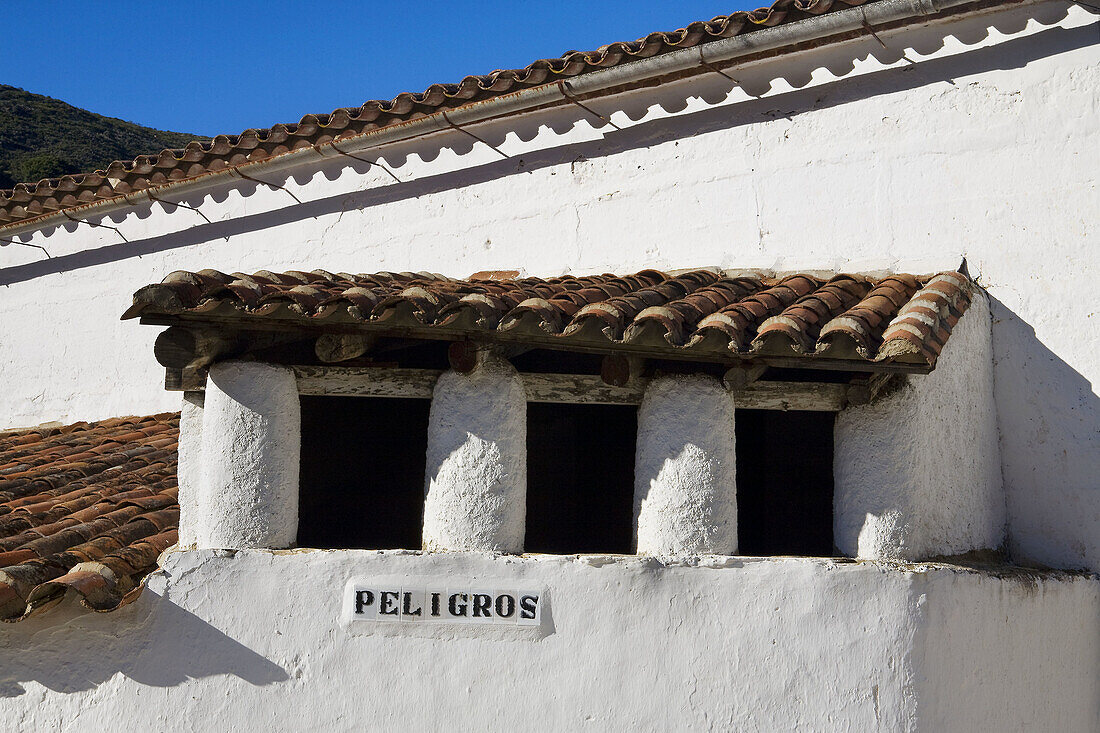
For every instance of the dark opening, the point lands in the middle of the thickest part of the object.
(784, 483)
(580, 478)
(362, 472)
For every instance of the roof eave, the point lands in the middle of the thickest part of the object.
(820, 30)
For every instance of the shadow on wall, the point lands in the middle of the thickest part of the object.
(1049, 420)
(755, 80)
(152, 641)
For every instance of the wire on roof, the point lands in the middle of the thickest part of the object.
(237, 170)
(563, 85)
(174, 203)
(475, 137)
(714, 68)
(372, 163)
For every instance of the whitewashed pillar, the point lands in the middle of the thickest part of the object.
(918, 473)
(251, 442)
(476, 477)
(685, 488)
(189, 467)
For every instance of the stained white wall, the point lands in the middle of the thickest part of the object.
(252, 641)
(978, 143)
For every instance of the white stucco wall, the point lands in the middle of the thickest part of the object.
(918, 473)
(189, 468)
(984, 147)
(252, 641)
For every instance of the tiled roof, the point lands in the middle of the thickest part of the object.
(29, 200)
(86, 508)
(899, 318)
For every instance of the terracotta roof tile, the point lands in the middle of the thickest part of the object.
(899, 318)
(86, 507)
(29, 200)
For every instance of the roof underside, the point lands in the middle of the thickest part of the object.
(86, 508)
(27, 201)
(704, 315)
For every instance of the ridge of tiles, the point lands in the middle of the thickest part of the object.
(899, 317)
(86, 507)
(27, 201)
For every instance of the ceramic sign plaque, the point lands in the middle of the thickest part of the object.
(415, 604)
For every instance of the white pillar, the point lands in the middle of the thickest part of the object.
(685, 487)
(189, 467)
(918, 473)
(251, 442)
(476, 477)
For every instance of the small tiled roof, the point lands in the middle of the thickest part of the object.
(86, 507)
(898, 318)
(30, 200)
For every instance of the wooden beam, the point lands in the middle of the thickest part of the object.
(465, 356)
(333, 347)
(366, 381)
(810, 396)
(179, 348)
(526, 341)
(587, 389)
(580, 389)
(865, 390)
(618, 370)
(739, 377)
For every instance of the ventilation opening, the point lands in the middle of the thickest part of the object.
(784, 483)
(580, 478)
(362, 473)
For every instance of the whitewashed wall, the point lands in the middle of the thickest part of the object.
(250, 641)
(848, 158)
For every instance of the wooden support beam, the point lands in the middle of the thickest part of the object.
(865, 390)
(618, 370)
(739, 377)
(184, 380)
(810, 396)
(580, 389)
(559, 388)
(336, 347)
(366, 381)
(465, 355)
(178, 347)
(525, 341)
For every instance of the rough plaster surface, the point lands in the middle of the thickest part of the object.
(685, 486)
(476, 474)
(252, 641)
(251, 444)
(918, 473)
(973, 676)
(979, 142)
(189, 467)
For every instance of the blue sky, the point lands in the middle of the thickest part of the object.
(221, 67)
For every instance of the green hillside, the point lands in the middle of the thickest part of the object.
(41, 137)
